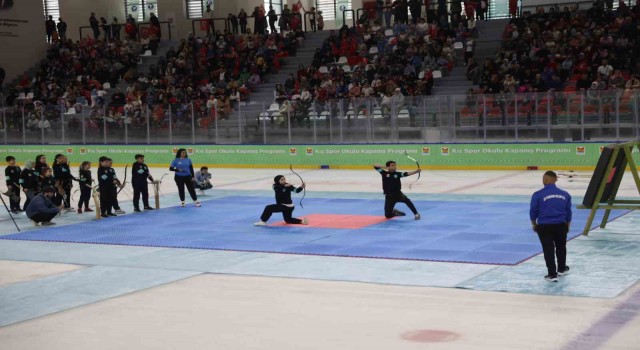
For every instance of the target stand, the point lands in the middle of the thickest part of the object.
(605, 182)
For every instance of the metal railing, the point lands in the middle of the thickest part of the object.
(353, 17)
(199, 29)
(3, 118)
(122, 29)
(552, 116)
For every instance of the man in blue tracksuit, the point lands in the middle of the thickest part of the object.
(550, 216)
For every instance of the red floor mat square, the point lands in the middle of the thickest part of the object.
(346, 221)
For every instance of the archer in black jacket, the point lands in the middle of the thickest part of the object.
(64, 178)
(284, 204)
(139, 176)
(392, 188)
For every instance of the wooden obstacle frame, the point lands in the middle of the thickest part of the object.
(605, 182)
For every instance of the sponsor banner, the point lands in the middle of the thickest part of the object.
(454, 156)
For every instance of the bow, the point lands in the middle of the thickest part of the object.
(124, 182)
(418, 164)
(304, 190)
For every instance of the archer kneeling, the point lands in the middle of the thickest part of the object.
(284, 204)
(392, 188)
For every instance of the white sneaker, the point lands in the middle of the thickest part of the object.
(120, 212)
(182, 204)
(36, 223)
(260, 223)
(305, 221)
(417, 216)
(69, 210)
(198, 204)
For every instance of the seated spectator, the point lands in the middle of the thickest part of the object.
(203, 180)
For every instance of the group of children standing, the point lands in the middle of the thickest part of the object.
(56, 181)
(35, 177)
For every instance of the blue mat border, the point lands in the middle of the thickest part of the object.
(16, 236)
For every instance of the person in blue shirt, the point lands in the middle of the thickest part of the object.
(184, 176)
(550, 215)
(203, 180)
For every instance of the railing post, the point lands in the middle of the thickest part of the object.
(239, 123)
(170, 126)
(126, 130)
(617, 116)
(41, 123)
(635, 114)
(193, 124)
(215, 122)
(148, 126)
(4, 119)
(315, 132)
(548, 116)
(84, 135)
(24, 129)
(264, 124)
(62, 124)
(289, 107)
(484, 116)
(104, 125)
(341, 111)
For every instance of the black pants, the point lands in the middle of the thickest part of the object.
(140, 189)
(114, 198)
(279, 208)
(181, 182)
(553, 238)
(30, 194)
(85, 194)
(390, 201)
(15, 205)
(43, 217)
(67, 197)
(106, 200)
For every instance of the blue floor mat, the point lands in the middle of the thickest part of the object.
(470, 232)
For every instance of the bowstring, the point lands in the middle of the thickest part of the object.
(304, 190)
(418, 164)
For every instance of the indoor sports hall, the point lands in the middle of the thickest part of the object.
(467, 275)
(482, 105)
